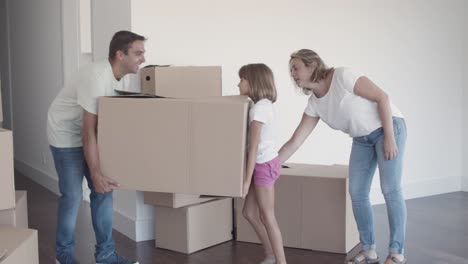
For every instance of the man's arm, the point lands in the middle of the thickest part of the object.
(101, 183)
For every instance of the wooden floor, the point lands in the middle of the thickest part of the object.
(437, 233)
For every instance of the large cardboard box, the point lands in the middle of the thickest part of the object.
(192, 228)
(18, 216)
(173, 200)
(190, 146)
(313, 209)
(19, 246)
(181, 81)
(7, 186)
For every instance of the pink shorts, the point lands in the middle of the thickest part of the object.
(265, 174)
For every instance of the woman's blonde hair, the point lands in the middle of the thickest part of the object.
(261, 81)
(310, 57)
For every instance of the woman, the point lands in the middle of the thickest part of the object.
(352, 103)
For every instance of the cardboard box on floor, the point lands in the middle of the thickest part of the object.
(18, 216)
(195, 227)
(181, 81)
(173, 200)
(313, 209)
(7, 186)
(19, 246)
(190, 146)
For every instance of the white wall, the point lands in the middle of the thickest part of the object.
(412, 49)
(36, 77)
(465, 103)
(5, 92)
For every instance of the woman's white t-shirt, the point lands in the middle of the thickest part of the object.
(343, 110)
(264, 112)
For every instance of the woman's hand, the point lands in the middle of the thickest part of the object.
(390, 147)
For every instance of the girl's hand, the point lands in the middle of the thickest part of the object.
(245, 189)
(390, 148)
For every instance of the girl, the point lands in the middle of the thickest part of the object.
(355, 105)
(256, 81)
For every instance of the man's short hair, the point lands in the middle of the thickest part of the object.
(122, 40)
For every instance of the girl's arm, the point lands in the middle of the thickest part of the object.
(254, 140)
(365, 88)
(302, 131)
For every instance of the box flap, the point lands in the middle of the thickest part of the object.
(321, 171)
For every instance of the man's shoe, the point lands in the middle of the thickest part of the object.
(66, 259)
(115, 258)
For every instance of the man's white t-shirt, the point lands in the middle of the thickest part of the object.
(343, 110)
(64, 119)
(264, 112)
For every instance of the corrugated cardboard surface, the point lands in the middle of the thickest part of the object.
(191, 146)
(173, 200)
(21, 245)
(182, 81)
(18, 216)
(192, 228)
(7, 186)
(313, 209)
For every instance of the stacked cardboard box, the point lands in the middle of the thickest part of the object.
(191, 146)
(7, 186)
(195, 227)
(18, 216)
(313, 209)
(187, 223)
(181, 81)
(17, 245)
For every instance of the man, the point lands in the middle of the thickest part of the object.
(72, 135)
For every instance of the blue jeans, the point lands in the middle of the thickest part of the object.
(366, 153)
(71, 166)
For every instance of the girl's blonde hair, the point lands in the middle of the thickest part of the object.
(261, 81)
(310, 57)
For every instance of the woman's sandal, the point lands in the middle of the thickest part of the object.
(361, 258)
(395, 260)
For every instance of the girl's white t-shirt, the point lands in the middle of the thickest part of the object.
(342, 109)
(64, 119)
(264, 112)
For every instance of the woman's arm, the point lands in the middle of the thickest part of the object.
(302, 131)
(365, 88)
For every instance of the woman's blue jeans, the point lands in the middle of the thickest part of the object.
(71, 166)
(367, 152)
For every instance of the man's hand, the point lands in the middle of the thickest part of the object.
(103, 184)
